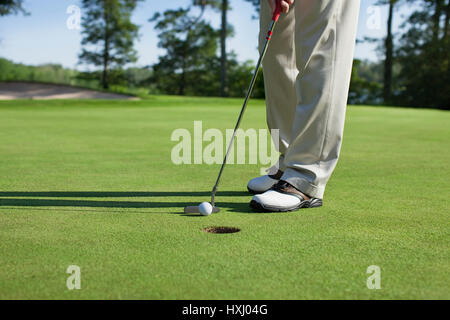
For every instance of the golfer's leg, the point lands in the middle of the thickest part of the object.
(325, 34)
(280, 73)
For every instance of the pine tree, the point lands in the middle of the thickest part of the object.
(107, 25)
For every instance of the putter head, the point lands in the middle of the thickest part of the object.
(194, 209)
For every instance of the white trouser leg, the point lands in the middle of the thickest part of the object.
(323, 40)
(280, 72)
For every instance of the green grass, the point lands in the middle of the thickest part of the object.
(114, 199)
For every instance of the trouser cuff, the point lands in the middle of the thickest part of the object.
(299, 182)
(278, 166)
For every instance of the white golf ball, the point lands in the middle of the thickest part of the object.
(205, 208)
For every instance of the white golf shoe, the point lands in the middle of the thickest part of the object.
(262, 184)
(283, 197)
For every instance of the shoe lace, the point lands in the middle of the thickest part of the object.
(280, 185)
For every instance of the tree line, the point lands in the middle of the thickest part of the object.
(416, 66)
(414, 70)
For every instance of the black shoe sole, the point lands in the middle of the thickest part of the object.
(313, 203)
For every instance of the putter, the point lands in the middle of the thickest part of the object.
(276, 16)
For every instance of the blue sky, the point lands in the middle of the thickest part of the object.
(44, 37)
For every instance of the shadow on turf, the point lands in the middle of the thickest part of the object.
(91, 203)
(33, 202)
(120, 194)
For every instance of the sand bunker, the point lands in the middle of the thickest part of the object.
(23, 90)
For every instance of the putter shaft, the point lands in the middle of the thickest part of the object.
(247, 97)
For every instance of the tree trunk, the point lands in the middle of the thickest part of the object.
(389, 47)
(436, 19)
(182, 83)
(106, 49)
(223, 56)
(447, 17)
(446, 41)
(106, 66)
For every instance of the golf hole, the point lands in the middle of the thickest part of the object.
(221, 230)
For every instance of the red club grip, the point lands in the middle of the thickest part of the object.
(277, 13)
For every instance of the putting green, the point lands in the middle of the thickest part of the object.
(91, 183)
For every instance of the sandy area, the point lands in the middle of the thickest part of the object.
(23, 90)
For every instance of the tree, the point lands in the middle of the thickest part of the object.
(239, 75)
(424, 55)
(191, 64)
(225, 32)
(11, 7)
(190, 45)
(438, 10)
(387, 46)
(447, 17)
(366, 82)
(107, 24)
(389, 55)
